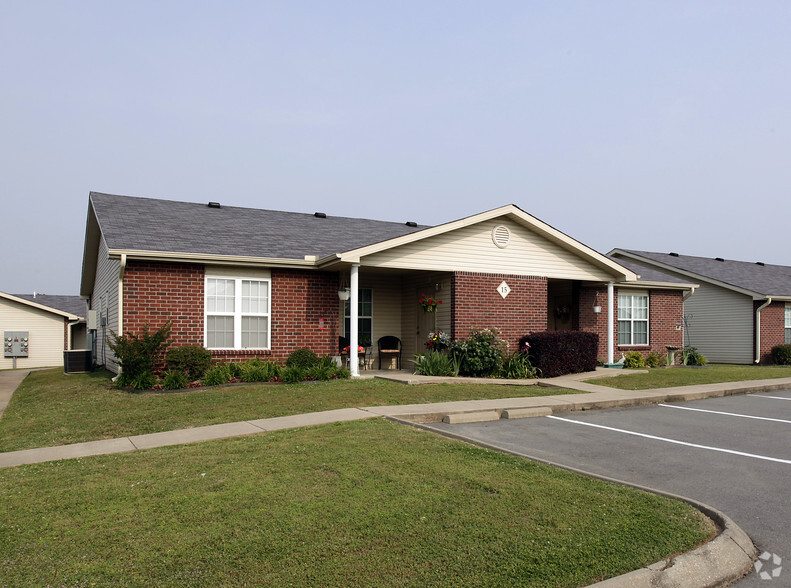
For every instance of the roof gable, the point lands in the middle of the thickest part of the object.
(599, 266)
(66, 305)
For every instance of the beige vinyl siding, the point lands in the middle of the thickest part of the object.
(45, 331)
(472, 249)
(385, 303)
(721, 325)
(105, 298)
(413, 286)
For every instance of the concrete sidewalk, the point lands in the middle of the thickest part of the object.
(591, 397)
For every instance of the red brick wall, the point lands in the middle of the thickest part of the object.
(299, 299)
(591, 321)
(772, 328)
(475, 303)
(157, 292)
(665, 311)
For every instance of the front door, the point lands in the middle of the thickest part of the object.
(426, 321)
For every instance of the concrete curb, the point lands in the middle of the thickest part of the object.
(721, 561)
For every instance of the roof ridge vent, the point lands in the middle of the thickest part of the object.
(673, 254)
(761, 263)
(411, 224)
(718, 259)
(214, 205)
(320, 214)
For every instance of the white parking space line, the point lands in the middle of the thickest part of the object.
(733, 414)
(772, 397)
(675, 441)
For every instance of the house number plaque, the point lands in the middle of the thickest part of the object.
(503, 289)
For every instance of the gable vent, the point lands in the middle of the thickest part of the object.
(501, 236)
(718, 259)
(320, 214)
(214, 205)
(411, 224)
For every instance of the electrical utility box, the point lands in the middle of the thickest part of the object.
(15, 343)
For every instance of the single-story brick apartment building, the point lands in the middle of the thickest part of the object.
(740, 310)
(261, 283)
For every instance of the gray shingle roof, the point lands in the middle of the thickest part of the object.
(766, 279)
(649, 274)
(71, 304)
(149, 224)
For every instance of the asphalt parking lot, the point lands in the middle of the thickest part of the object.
(733, 453)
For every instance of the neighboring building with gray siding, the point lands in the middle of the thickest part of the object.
(740, 309)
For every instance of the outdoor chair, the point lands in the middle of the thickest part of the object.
(390, 346)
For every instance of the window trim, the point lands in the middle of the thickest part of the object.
(237, 313)
(787, 324)
(360, 317)
(647, 320)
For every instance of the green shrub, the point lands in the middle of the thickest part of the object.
(302, 358)
(781, 354)
(654, 359)
(175, 380)
(480, 355)
(234, 369)
(691, 356)
(436, 363)
(143, 381)
(139, 354)
(193, 360)
(219, 374)
(320, 372)
(633, 360)
(292, 374)
(256, 370)
(517, 365)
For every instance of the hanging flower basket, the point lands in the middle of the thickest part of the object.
(428, 304)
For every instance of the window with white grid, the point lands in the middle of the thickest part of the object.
(633, 319)
(237, 313)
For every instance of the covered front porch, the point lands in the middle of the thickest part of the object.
(380, 302)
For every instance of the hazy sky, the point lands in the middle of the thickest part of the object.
(663, 126)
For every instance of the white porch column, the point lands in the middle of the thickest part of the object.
(354, 361)
(610, 323)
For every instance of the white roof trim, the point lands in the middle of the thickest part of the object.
(699, 277)
(540, 227)
(210, 259)
(68, 315)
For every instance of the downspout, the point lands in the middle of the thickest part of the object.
(69, 325)
(121, 301)
(758, 329)
(354, 362)
(610, 323)
(691, 292)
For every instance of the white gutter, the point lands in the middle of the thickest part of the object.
(758, 328)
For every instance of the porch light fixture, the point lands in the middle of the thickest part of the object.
(596, 305)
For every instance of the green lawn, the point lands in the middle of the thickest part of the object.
(50, 408)
(368, 503)
(682, 376)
